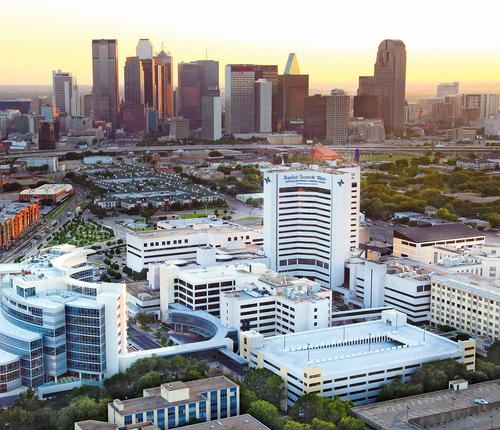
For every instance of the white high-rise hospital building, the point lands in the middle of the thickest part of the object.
(311, 221)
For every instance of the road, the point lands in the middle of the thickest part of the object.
(28, 244)
(141, 339)
(407, 147)
(239, 209)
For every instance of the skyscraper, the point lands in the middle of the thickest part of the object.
(263, 106)
(209, 77)
(383, 95)
(144, 49)
(315, 117)
(134, 80)
(292, 89)
(211, 117)
(240, 99)
(62, 87)
(105, 90)
(148, 76)
(189, 92)
(240, 95)
(337, 117)
(390, 83)
(165, 61)
(311, 221)
(76, 101)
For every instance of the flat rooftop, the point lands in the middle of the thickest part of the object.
(392, 414)
(436, 232)
(320, 348)
(472, 283)
(188, 230)
(154, 400)
(244, 421)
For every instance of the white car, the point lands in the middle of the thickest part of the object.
(480, 402)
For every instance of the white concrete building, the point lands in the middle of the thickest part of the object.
(311, 221)
(468, 303)
(211, 117)
(492, 126)
(180, 240)
(418, 243)
(275, 303)
(353, 361)
(263, 106)
(401, 284)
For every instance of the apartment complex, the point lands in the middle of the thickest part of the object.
(418, 243)
(56, 320)
(311, 221)
(53, 192)
(15, 218)
(180, 240)
(468, 303)
(353, 362)
(176, 404)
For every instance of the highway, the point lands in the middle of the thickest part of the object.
(400, 147)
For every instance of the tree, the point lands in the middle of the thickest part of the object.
(310, 406)
(267, 414)
(81, 408)
(397, 388)
(266, 385)
(493, 353)
(247, 397)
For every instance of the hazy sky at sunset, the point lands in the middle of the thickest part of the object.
(335, 40)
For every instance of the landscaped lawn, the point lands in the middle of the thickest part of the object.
(80, 233)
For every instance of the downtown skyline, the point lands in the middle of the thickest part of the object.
(330, 49)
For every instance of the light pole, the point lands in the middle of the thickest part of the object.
(308, 344)
(407, 412)
(369, 342)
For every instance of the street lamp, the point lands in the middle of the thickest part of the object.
(407, 412)
(369, 342)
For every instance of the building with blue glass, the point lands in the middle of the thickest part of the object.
(177, 403)
(58, 320)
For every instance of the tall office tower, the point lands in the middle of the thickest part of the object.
(134, 81)
(144, 49)
(62, 87)
(390, 82)
(105, 90)
(239, 99)
(209, 77)
(189, 91)
(448, 89)
(158, 88)
(315, 117)
(310, 221)
(151, 120)
(87, 105)
(165, 60)
(76, 101)
(148, 77)
(366, 103)
(485, 105)
(46, 135)
(292, 89)
(263, 106)
(211, 117)
(337, 117)
(132, 116)
(270, 73)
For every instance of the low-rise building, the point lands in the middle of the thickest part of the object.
(353, 362)
(417, 242)
(178, 403)
(53, 192)
(15, 218)
(52, 163)
(179, 128)
(180, 239)
(286, 138)
(468, 303)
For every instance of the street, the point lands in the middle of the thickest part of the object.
(141, 339)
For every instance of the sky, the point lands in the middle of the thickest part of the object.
(335, 41)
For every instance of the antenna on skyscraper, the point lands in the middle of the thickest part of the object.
(162, 46)
(206, 53)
